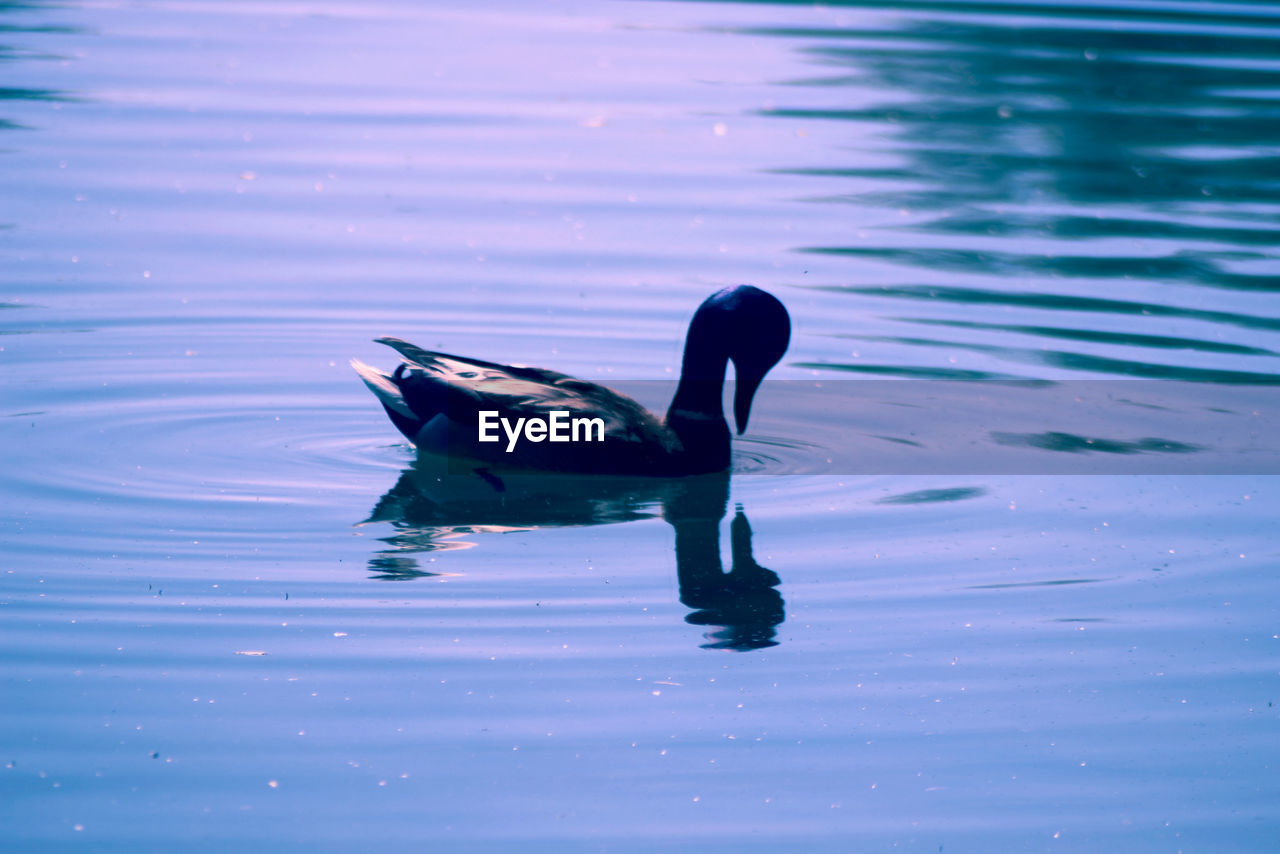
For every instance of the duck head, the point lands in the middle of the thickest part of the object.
(743, 325)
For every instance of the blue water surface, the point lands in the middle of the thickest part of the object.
(236, 613)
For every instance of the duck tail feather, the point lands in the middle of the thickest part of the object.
(384, 388)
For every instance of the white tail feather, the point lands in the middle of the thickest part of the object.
(383, 387)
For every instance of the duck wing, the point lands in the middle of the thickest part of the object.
(446, 394)
(461, 367)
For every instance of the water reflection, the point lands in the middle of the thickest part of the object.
(434, 511)
(744, 602)
(997, 112)
(1043, 158)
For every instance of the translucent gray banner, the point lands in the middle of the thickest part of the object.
(866, 427)
(991, 427)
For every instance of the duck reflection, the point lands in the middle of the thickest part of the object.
(743, 603)
(432, 511)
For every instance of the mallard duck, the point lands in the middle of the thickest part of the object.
(444, 404)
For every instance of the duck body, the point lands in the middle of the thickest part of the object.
(437, 400)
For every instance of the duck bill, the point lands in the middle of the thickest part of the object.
(744, 392)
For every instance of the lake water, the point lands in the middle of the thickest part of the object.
(236, 615)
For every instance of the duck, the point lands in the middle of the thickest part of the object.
(441, 403)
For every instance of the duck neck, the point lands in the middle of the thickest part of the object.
(696, 415)
(701, 388)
